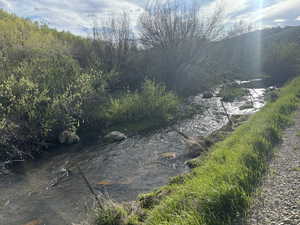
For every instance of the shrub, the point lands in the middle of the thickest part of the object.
(31, 117)
(153, 102)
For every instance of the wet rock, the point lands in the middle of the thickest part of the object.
(168, 155)
(208, 94)
(115, 136)
(4, 168)
(34, 222)
(247, 105)
(68, 137)
(105, 182)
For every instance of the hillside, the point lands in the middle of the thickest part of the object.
(244, 55)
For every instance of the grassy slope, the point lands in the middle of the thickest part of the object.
(220, 188)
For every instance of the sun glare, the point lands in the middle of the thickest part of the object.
(260, 26)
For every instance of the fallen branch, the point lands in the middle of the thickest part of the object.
(99, 202)
(227, 115)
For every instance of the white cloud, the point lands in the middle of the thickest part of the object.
(228, 6)
(279, 20)
(281, 9)
(5, 4)
(78, 15)
(72, 15)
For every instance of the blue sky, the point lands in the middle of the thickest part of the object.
(79, 16)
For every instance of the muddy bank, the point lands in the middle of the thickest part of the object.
(121, 170)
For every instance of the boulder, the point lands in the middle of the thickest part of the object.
(68, 137)
(115, 136)
(3, 169)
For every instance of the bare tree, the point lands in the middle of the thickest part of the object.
(172, 23)
(176, 36)
(116, 41)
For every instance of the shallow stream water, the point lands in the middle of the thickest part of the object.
(120, 170)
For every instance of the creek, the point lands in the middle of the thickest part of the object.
(120, 170)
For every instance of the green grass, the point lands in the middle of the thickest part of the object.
(111, 214)
(153, 102)
(221, 187)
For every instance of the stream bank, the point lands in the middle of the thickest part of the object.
(219, 190)
(121, 170)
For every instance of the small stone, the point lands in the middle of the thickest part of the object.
(168, 155)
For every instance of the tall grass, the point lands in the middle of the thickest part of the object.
(221, 187)
(153, 102)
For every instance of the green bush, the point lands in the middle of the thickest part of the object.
(153, 102)
(31, 117)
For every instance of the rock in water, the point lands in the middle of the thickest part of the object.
(247, 105)
(208, 94)
(68, 137)
(168, 155)
(115, 136)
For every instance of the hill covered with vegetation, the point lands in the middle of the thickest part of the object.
(270, 52)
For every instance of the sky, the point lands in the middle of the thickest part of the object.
(79, 16)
